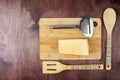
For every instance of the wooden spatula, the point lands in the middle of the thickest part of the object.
(53, 67)
(109, 18)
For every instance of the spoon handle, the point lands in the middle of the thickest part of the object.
(108, 54)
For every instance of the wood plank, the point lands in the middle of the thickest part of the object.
(19, 47)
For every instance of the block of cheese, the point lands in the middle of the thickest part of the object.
(73, 47)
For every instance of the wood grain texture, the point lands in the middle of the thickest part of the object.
(19, 44)
(49, 39)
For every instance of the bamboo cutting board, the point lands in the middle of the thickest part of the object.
(49, 39)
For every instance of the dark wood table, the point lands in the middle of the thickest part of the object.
(19, 39)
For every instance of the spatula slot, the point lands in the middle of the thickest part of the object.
(51, 64)
(51, 69)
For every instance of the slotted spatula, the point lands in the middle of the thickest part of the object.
(109, 18)
(53, 67)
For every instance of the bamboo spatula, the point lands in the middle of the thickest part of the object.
(109, 18)
(53, 67)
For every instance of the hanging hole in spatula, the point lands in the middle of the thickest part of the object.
(95, 24)
(99, 67)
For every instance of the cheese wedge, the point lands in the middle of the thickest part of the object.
(73, 47)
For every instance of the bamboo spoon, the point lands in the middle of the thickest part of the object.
(109, 18)
(53, 67)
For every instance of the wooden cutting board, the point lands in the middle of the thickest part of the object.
(49, 39)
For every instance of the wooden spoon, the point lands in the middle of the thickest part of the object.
(109, 18)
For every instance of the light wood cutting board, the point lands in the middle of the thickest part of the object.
(49, 39)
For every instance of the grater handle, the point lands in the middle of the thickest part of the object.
(62, 26)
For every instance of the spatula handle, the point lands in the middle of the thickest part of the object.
(108, 55)
(62, 26)
(88, 67)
